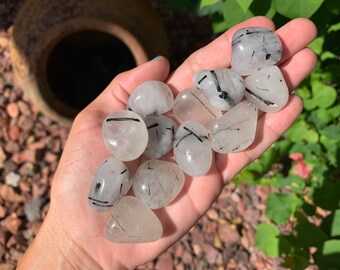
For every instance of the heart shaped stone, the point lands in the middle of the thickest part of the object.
(267, 89)
(110, 183)
(191, 104)
(133, 222)
(192, 149)
(157, 182)
(223, 88)
(236, 129)
(125, 135)
(254, 48)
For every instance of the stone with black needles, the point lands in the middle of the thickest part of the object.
(125, 135)
(151, 98)
(161, 131)
(254, 48)
(111, 181)
(192, 149)
(132, 221)
(223, 88)
(267, 89)
(157, 182)
(236, 129)
(191, 104)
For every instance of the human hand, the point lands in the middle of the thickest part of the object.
(72, 233)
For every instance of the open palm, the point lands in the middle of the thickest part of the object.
(70, 213)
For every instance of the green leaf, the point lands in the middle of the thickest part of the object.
(297, 8)
(317, 44)
(267, 240)
(327, 196)
(323, 94)
(328, 255)
(301, 131)
(244, 4)
(332, 132)
(305, 229)
(280, 207)
(233, 13)
(331, 224)
(262, 7)
(219, 25)
(296, 183)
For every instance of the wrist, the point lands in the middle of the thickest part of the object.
(53, 248)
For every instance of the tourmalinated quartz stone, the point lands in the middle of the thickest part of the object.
(191, 104)
(157, 182)
(161, 131)
(236, 129)
(151, 98)
(192, 149)
(125, 135)
(267, 89)
(133, 222)
(254, 48)
(110, 183)
(223, 88)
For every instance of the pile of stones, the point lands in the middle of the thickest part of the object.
(219, 114)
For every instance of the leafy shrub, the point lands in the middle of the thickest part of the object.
(303, 166)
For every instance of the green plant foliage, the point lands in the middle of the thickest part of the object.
(280, 207)
(267, 239)
(315, 136)
(297, 8)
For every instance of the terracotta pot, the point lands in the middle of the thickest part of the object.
(49, 34)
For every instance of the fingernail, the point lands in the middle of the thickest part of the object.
(158, 56)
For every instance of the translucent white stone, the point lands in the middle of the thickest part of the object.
(161, 131)
(158, 182)
(254, 48)
(151, 98)
(223, 88)
(267, 89)
(192, 149)
(133, 222)
(191, 104)
(110, 183)
(125, 135)
(236, 129)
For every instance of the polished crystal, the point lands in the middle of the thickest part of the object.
(158, 182)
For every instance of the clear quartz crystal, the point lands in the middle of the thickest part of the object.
(158, 182)
(192, 149)
(161, 131)
(151, 98)
(191, 104)
(236, 129)
(254, 48)
(125, 135)
(223, 88)
(110, 183)
(132, 222)
(267, 89)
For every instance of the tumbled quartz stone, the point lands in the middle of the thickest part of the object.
(161, 131)
(254, 48)
(110, 183)
(267, 89)
(157, 182)
(125, 135)
(191, 104)
(151, 98)
(236, 129)
(223, 88)
(192, 149)
(132, 222)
